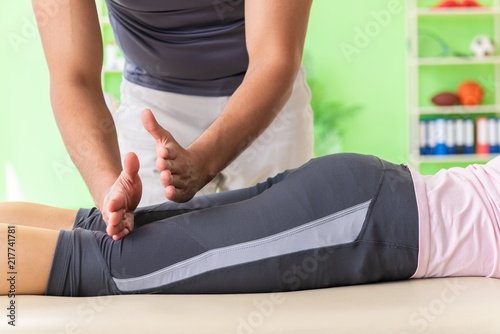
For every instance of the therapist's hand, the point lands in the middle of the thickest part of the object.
(122, 199)
(182, 173)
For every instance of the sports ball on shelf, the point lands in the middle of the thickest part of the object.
(447, 3)
(470, 3)
(470, 93)
(453, 3)
(445, 99)
(482, 46)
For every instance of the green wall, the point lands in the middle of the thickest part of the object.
(363, 78)
(358, 50)
(30, 139)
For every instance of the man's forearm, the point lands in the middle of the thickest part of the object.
(89, 134)
(251, 109)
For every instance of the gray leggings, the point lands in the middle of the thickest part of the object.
(338, 220)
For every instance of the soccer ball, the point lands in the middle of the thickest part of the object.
(482, 46)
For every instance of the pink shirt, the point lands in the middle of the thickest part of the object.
(459, 215)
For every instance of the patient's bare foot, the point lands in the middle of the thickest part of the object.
(122, 199)
(182, 173)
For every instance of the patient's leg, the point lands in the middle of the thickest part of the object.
(91, 219)
(335, 221)
(26, 258)
(36, 215)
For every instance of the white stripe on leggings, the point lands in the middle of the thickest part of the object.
(338, 228)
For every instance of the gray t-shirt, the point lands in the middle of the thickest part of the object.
(193, 47)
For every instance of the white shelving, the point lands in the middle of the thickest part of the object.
(458, 11)
(432, 61)
(104, 20)
(113, 66)
(458, 109)
(416, 63)
(111, 70)
(458, 158)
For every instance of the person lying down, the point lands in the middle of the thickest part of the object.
(338, 220)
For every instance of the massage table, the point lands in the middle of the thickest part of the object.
(444, 305)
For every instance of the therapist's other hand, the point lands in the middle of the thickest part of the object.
(122, 199)
(181, 174)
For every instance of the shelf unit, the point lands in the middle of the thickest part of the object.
(430, 61)
(421, 65)
(110, 77)
(454, 11)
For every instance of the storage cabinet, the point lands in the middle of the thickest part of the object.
(439, 60)
(113, 60)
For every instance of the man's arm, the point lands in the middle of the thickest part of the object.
(72, 45)
(275, 35)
